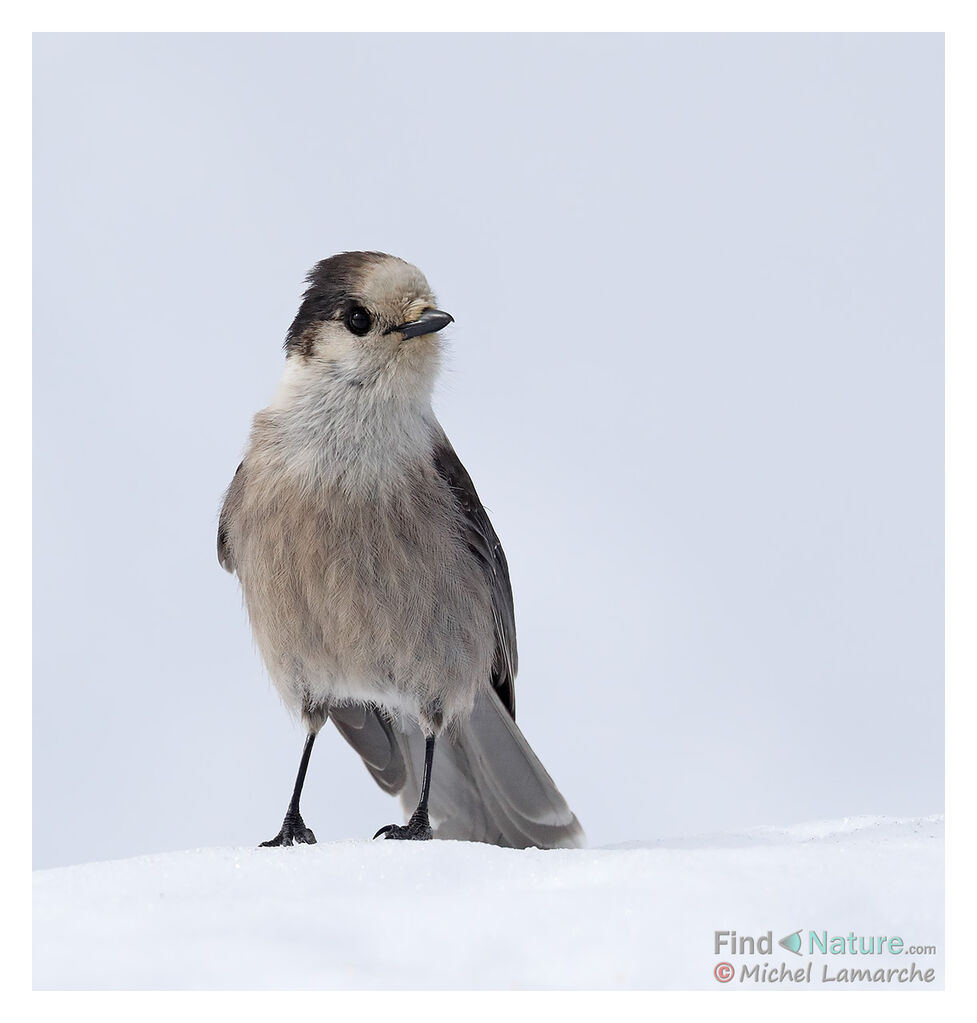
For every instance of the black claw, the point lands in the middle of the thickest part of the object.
(417, 829)
(293, 832)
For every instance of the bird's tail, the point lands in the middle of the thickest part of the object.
(487, 785)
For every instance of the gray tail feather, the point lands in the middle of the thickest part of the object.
(487, 784)
(373, 736)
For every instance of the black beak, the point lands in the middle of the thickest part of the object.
(430, 321)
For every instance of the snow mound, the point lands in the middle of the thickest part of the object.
(459, 915)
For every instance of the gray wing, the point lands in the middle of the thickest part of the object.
(485, 545)
(231, 499)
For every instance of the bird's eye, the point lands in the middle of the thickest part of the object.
(358, 321)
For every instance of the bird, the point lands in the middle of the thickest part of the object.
(377, 589)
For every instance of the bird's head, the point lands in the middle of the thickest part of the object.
(367, 320)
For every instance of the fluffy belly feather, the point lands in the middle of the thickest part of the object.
(371, 599)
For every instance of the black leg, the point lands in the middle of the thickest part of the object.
(418, 828)
(293, 827)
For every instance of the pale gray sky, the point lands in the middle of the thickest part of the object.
(696, 374)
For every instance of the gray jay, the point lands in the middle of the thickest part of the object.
(376, 587)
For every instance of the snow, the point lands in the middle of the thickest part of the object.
(459, 915)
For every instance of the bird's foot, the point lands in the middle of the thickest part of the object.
(417, 829)
(293, 832)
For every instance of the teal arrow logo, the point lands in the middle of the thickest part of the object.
(792, 943)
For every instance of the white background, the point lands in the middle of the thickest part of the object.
(696, 373)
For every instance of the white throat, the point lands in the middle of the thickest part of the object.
(334, 429)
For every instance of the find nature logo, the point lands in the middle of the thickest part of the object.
(854, 963)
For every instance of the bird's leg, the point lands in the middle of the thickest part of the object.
(293, 827)
(418, 828)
